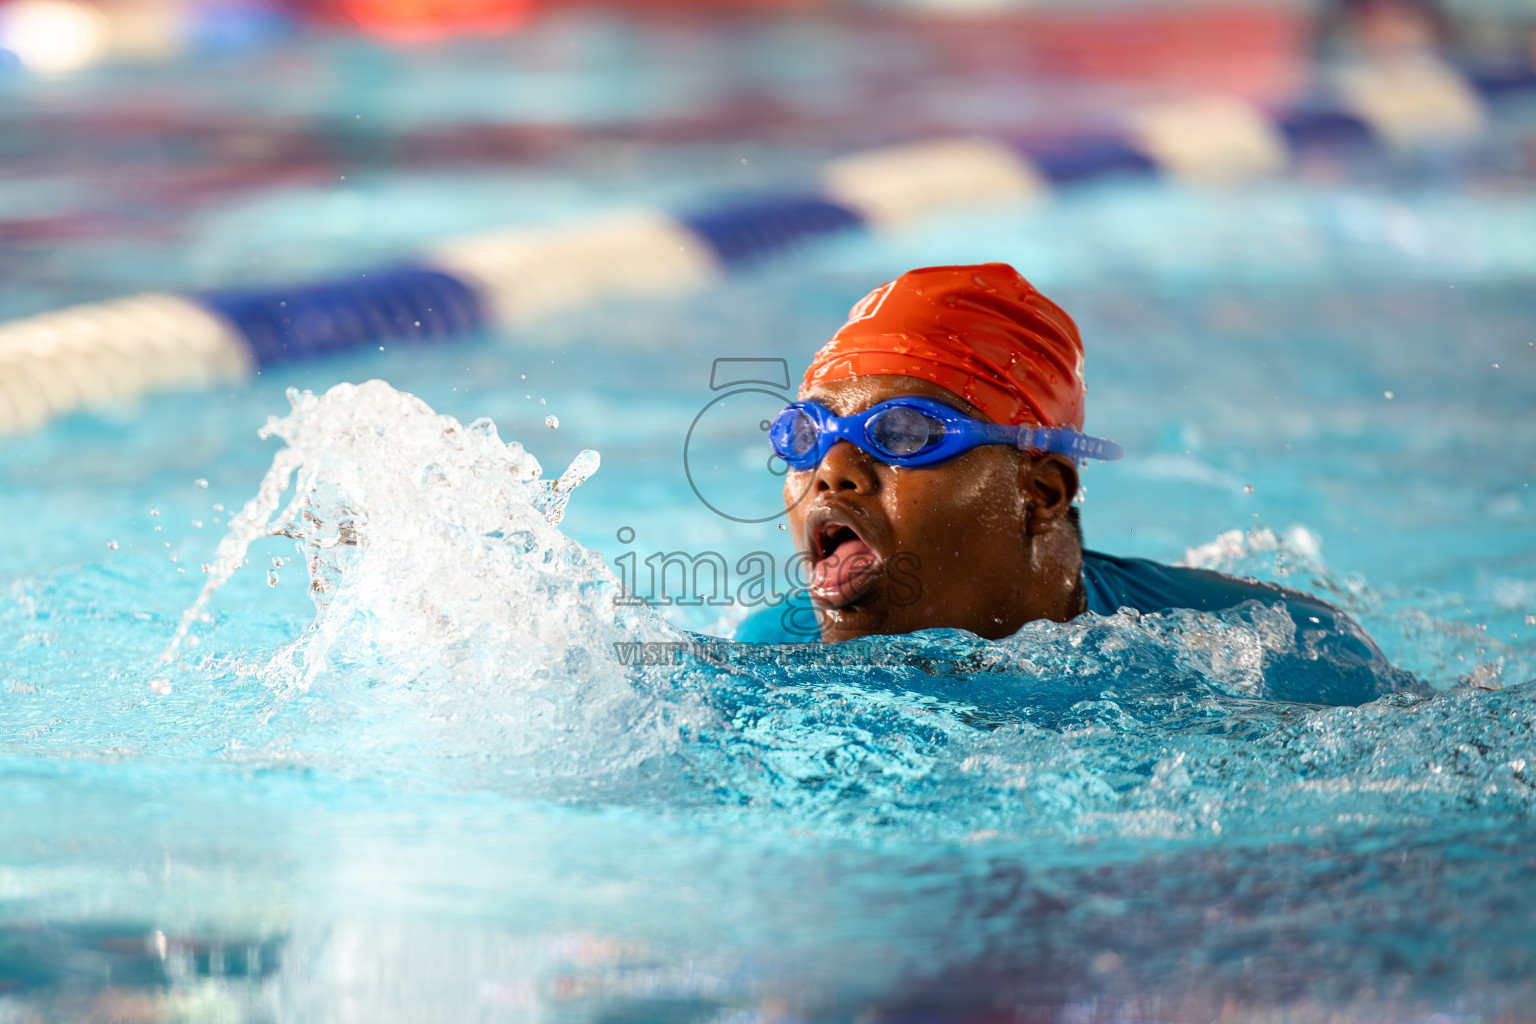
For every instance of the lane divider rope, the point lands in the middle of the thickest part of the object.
(89, 355)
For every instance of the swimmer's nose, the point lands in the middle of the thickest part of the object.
(846, 468)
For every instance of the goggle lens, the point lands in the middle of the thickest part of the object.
(794, 435)
(903, 431)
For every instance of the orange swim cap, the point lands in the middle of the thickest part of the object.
(981, 331)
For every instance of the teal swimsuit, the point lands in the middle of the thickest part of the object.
(1334, 661)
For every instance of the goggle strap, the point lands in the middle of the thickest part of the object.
(1068, 442)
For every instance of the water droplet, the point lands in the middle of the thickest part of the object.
(154, 511)
(552, 422)
(271, 577)
(1248, 489)
(277, 563)
(160, 685)
(781, 526)
(218, 508)
(112, 544)
(197, 524)
(201, 484)
(542, 402)
(553, 503)
(1388, 394)
(1530, 620)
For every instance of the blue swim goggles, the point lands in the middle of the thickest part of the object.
(914, 431)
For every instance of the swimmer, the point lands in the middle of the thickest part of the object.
(933, 458)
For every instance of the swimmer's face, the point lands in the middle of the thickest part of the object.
(893, 550)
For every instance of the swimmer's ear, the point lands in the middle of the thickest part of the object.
(1049, 485)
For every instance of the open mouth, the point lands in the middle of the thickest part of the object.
(845, 569)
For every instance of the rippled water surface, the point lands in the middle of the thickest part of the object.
(395, 769)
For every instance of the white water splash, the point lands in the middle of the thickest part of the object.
(431, 548)
(1228, 551)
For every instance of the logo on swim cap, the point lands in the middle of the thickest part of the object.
(870, 304)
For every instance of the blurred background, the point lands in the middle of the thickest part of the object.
(188, 143)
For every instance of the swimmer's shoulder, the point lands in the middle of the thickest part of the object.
(1357, 671)
(1112, 582)
(791, 622)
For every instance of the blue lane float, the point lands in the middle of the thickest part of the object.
(406, 303)
(744, 231)
(1070, 161)
(1304, 129)
(57, 362)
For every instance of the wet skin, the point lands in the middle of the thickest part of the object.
(980, 542)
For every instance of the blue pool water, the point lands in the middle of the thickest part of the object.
(429, 790)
